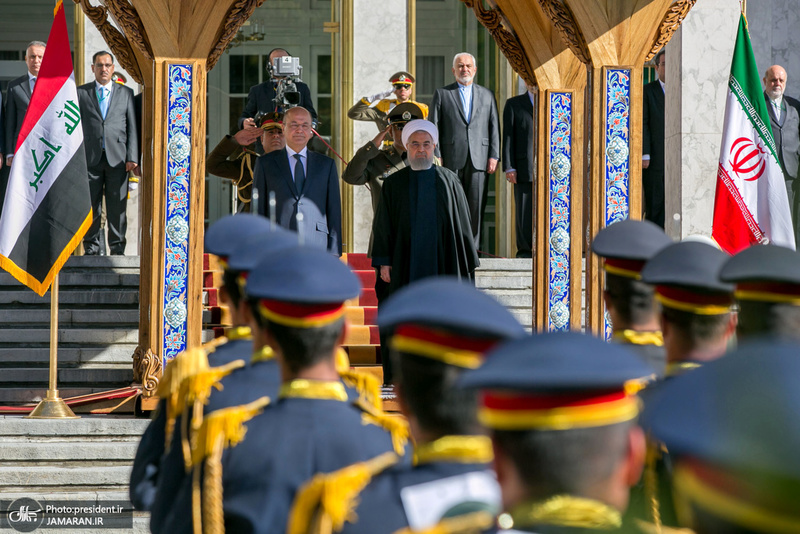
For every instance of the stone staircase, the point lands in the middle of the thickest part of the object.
(97, 331)
(87, 460)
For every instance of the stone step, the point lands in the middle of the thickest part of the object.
(78, 449)
(68, 377)
(93, 297)
(103, 426)
(505, 281)
(513, 299)
(68, 279)
(128, 317)
(64, 476)
(503, 264)
(82, 336)
(102, 262)
(119, 354)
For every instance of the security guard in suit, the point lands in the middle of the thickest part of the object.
(297, 299)
(376, 108)
(625, 247)
(732, 429)
(436, 329)
(561, 412)
(767, 279)
(221, 239)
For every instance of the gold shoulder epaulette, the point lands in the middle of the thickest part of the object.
(221, 429)
(423, 107)
(384, 105)
(394, 424)
(182, 366)
(331, 498)
(367, 385)
(473, 523)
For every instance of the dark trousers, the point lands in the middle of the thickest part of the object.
(523, 200)
(111, 183)
(474, 183)
(653, 188)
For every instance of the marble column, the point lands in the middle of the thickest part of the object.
(377, 56)
(698, 66)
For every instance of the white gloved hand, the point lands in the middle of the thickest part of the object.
(379, 96)
(133, 183)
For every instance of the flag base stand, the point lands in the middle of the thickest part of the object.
(52, 407)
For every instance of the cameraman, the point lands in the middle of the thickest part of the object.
(262, 96)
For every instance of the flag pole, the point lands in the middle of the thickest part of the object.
(53, 406)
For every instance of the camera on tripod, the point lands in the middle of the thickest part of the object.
(286, 71)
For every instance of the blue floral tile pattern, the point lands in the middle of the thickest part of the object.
(617, 156)
(560, 129)
(176, 242)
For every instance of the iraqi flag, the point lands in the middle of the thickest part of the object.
(47, 208)
(750, 205)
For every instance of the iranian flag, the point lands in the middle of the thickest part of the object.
(750, 205)
(47, 209)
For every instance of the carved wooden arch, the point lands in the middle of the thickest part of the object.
(236, 16)
(564, 21)
(492, 20)
(118, 43)
(128, 19)
(669, 24)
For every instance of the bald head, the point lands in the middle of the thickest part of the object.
(775, 82)
(297, 128)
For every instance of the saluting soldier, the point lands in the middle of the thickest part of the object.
(697, 322)
(221, 239)
(733, 433)
(625, 247)
(436, 329)
(562, 417)
(376, 108)
(297, 300)
(767, 279)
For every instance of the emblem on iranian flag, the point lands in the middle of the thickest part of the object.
(751, 205)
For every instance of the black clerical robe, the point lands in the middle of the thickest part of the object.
(394, 230)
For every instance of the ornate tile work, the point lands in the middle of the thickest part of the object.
(176, 242)
(560, 120)
(617, 156)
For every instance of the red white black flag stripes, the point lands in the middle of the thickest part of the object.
(751, 205)
(47, 209)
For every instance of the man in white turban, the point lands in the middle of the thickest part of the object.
(422, 226)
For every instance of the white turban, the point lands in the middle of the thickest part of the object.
(420, 125)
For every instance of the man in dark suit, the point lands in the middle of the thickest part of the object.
(785, 122)
(653, 145)
(112, 149)
(469, 134)
(18, 96)
(304, 182)
(262, 96)
(519, 163)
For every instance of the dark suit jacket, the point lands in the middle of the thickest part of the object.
(653, 125)
(261, 99)
(786, 133)
(18, 96)
(119, 129)
(518, 137)
(319, 202)
(480, 138)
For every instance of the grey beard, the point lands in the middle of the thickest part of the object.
(420, 164)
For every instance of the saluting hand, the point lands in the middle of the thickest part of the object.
(381, 136)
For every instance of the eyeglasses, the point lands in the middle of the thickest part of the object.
(103, 65)
(402, 86)
(296, 126)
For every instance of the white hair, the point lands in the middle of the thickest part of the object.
(455, 58)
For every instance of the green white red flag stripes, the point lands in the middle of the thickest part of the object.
(47, 209)
(751, 205)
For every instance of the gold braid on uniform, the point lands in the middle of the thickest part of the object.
(472, 523)
(651, 483)
(367, 385)
(455, 449)
(195, 390)
(639, 338)
(331, 498)
(678, 368)
(221, 429)
(567, 511)
(394, 424)
(245, 156)
(235, 333)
